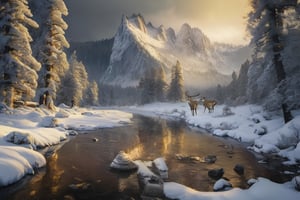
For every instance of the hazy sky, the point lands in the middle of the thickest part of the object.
(220, 20)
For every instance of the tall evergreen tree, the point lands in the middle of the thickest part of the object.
(18, 68)
(92, 97)
(75, 83)
(243, 79)
(176, 89)
(266, 27)
(54, 59)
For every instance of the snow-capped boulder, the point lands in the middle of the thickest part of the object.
(162, 167)
(123, 162)
(222, 185)
(251, 181)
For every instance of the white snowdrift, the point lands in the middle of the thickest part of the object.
(15, 162)
(261, 190)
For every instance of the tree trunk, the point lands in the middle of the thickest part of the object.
(280, 72)
(10, 96)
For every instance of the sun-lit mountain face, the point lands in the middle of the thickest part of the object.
(139, 46)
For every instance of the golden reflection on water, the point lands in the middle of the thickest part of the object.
(136, 152)
(54, 175)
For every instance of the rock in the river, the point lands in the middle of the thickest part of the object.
(80, 186)
(72, 132)
(216, 173)
(251, 181)
(222, 185)
(162, 167)
(153, 188)
(210, 158)
(239, 169)
(123, 162)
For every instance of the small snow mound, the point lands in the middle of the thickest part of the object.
(62, 105)
(296, 182)
(227, 111)
(48, 122)
(62, 114)
(17, 137)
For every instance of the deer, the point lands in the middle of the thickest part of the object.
(192, 103)
(209, 104)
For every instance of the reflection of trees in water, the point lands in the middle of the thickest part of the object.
(159, 136)
(53, 174)
(47, 184)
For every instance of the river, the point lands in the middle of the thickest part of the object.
(80, 168)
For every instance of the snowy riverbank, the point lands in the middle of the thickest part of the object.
(24, 130)
(34, 128)
(248, 123)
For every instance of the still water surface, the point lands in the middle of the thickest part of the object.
(85, 163)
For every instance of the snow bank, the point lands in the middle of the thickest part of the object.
(15, 162)
(25, 129)
(258, 191)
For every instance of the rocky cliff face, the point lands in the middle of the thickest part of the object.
(139, 46)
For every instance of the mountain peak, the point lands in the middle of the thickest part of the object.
(193, 39)
(138, 21)
(139, 47)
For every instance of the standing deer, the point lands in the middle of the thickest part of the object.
(192, 103)
(209, 104)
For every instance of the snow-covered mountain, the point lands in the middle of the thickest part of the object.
(139, 46)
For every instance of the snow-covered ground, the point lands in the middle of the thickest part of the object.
(24, 130)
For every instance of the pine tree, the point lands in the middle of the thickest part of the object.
(176, 89)
(243, 79)
(266, 25)
(75, 83)
(92, 97)
(54, 59)
(18, 68)
(153, 86)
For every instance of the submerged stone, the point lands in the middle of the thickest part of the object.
(216, 173)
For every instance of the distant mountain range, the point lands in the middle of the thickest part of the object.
(138, 47)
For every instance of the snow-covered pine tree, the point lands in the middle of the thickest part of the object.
(291, 56)
(92, 97)
(266, 28)
(18, 68)
(54, 60)
(75, 83)
(176, 89)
